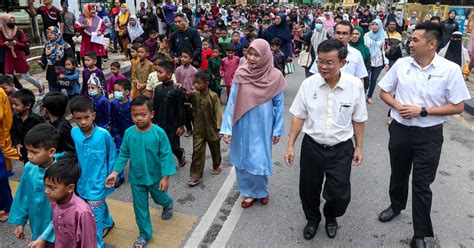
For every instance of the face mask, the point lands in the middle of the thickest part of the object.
(122, 10)
(319, 27)
(93, 93)
(118, 95)
(11, 25)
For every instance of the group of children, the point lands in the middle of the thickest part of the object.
(62, 161)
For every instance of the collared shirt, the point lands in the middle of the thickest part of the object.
(153, 81)
(354, 66)
(437, 84)
(329, 113)
(74, 224)
(185, 76)
(96, 155)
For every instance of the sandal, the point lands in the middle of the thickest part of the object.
(3, 216)
(140, 243)
(106, 231)
(193, 181)
(217, 170)
(167, 213)
(247, 204)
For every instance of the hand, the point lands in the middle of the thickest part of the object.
(111, 179)
(99, 33)
(357, 156)
(289, 156)
(275, 139)
(227, 139)
(18, 148)
(13, 42)
(40, 63)
(386, 67)
(409, 111)
(39, 243)
(141, 86)
(213, 77)
(62, 76)
(164, 184)
(180, 131)
(19, 232)
(176, 60)
(178, 85)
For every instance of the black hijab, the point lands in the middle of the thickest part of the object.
(454, 52)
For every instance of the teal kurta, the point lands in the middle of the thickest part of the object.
(149, 153)
(31, 204)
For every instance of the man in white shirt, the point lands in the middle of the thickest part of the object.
(354, 61)
(330, 109)
(427, 89)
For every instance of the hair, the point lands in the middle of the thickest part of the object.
(276, 42)
(331, 45)
(435, 18)
(115, 64)
(158, 57)
(72, 60)
(251, 36)
(344, 23)
(64, 171)
(230, 48)
(188, 52)
(203, 76)
(151, 31)
(246, 46)
(81, 104)
(43, 135)
(124, 83)
(138, 40)
(146, 48)
(338, 17)
(180, 15)
(432, 30)
(235, 32)
(6, 80)
(25, 96)
(142, 100)
(134, 47)
(216, 48)
(55, 103)
(392, 21)
(167, 65)
(92, 55)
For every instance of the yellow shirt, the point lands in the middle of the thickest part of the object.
(6, 121)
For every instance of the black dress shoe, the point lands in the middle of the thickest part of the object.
(309, 230)
(331, 228)
(417, 243)
(388, 214)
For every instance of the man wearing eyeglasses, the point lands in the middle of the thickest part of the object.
(330, 109)
(354, 62)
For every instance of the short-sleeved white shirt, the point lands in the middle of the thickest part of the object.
(437, 84)
(329, 113)
(355, 64)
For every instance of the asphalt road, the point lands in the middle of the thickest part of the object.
(279, 224)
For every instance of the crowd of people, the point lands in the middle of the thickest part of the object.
(91, 128)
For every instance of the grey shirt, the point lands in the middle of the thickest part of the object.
(69, 21)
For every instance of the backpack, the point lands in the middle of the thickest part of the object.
(26, 49)
(394, 51)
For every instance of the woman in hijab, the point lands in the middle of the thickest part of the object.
(134, 28)
(151, 20)
(56, 50)
(448, 27)
(87, 24)
(121, 27)
(280, 29)
(400, 22)
(454, 51)
(375, 41)
(161, 20)
(220, 24)
(104, 15)
(357, 42)
(329, 26)
(253, 121)
(313, 39)
(13, 41)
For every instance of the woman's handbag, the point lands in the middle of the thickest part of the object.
(304, 59)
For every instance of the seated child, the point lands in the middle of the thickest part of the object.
(30, 204)
(24, 119)
(147, 148)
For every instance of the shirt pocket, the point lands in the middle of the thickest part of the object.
(342, 113)
(435, 85)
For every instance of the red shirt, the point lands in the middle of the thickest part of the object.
(206, 55)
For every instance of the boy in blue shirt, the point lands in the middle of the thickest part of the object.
(96, 154)
(30, 203)
(120, 115)
(148, 149)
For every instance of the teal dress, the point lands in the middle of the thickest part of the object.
(31, 204)
(251, 146)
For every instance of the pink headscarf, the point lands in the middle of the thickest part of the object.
(329, 20)
(8, 33)
(258, 85)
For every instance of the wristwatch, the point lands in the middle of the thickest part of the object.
(423, 112)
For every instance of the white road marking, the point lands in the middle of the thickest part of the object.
(229, 225)
(207, 219)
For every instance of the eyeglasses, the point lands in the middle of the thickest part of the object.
(329, 64)
(342, 33)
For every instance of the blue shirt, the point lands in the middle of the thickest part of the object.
(31, 204)
(102, 110)
(121, 120)
(96, 155)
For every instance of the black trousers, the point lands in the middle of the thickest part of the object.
(318, 162)
(175, 144)
(420, 149)
(68, 39)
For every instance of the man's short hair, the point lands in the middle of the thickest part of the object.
(92, 55)
(437, 18)
(167, 65)
(55, 103)
(180, 15)
(344, 23)
(432, 30)
(142, 100)
(6, 80)
(203, 76)
(333, 45)
(25, 96)
(276, 42)
(42, 136)
(124, 83)
(65, 171)
(81, 104)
